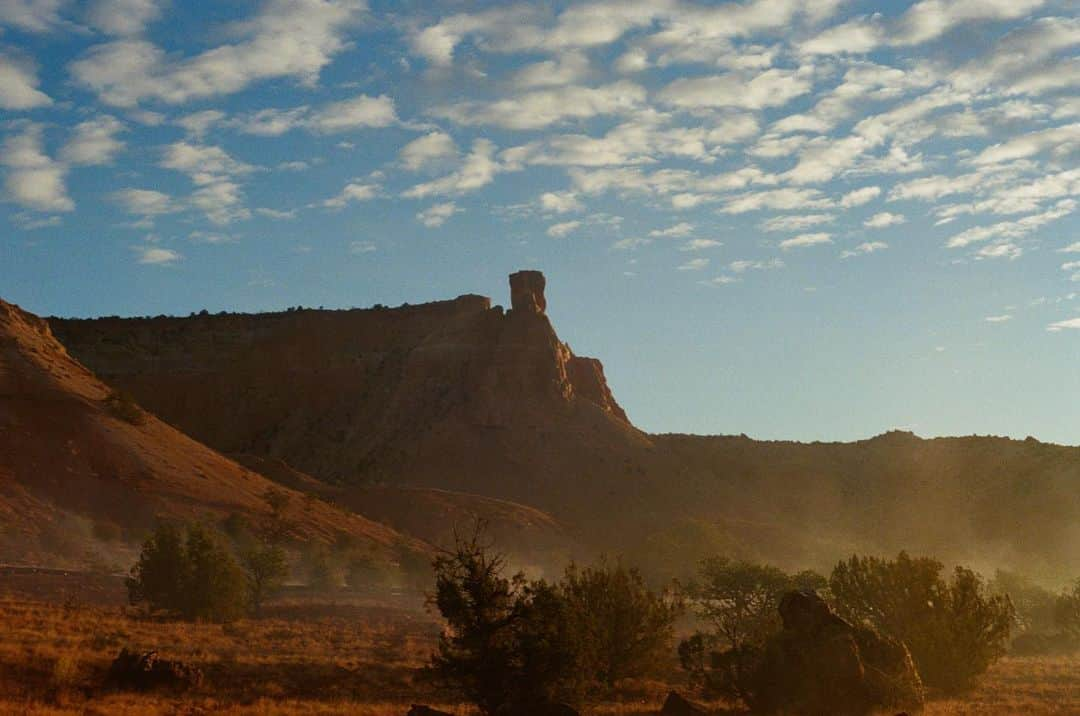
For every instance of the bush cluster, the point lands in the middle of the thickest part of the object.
(513, 643)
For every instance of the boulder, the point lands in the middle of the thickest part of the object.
(676, 705)
(145, 671)
(819, 663)
(527, 292)
(421, 710)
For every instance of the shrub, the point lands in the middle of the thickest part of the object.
(265, 567)
(1067, 611)
(955, 630)
(188, 573)
(319, 568)
(507, 641)
(739, 600)
(624, 630)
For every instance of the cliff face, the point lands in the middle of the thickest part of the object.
(463, 396)
(68, 445)
(450, 394)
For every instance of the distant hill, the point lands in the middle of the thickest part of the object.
(465, 397)
(78, 459)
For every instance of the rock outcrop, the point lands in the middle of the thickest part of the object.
(146, 671)
(527, 292)
(820, 664)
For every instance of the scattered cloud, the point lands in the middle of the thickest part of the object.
(352, 192)
(867, 247)
(694, 265)
(94, 142)
(804, 240)
(32, 178)
(156, 256)
(437, 214)
(883, 220)
(1070, 323)
(19, 85)
(286, 38)
(563, 229)
(431, 150)
(1001, 318)
(677, 231)
(359, 248)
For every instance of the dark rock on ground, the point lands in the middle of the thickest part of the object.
(676, 705)
(420, 710)
(821, 664)
(145, 671)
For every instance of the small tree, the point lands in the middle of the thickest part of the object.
(187, 572)
(955, 630)
(265, 567)
(624, 629)
(1067, 611)
(506, 642)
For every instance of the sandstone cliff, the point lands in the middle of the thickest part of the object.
(463, 396)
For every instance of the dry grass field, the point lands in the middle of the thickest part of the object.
(353, 656)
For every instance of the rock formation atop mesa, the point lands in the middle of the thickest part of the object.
(527, 292)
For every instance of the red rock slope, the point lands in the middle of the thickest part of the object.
(68, 446)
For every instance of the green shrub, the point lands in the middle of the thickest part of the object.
(955, 629)
(265, 567)
(507, 642)
(624, 630)
(188, 573)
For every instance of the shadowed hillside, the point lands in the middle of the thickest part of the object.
(462, 396)
(70, 445)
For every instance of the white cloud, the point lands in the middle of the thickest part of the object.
(1002, 318)
(560, 202)
(477, 170)
(861, 196)
(32, 178)
(286, 38)
(677, 231)
(360, 112)
(1011, 229)
(883, 220)
(772, 88)
(145, 202)
(213, 172)
(922, 22)
(32, 15)
(1061, 140)
(542, 108)
(277, 214)
(123, 17)
(804, 240)
(353, 191)
(796, 222)
(565, 70)
(563, 229)
(199, 123)
(633, 60)
(154, 256)
(94, 142)
(694, 265)
(435, 148)
(359, 248)
(19, 85)
(786, 199)
(867, 247)
(744, 265)
(1070, 323)
(437, 214)
(1072, 248)
(700, 244)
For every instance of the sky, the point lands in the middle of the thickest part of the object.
(793, 219)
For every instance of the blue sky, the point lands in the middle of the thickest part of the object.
(807, 219)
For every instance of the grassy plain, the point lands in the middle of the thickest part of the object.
(346, 656)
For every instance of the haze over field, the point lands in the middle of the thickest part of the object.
(839, 218)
